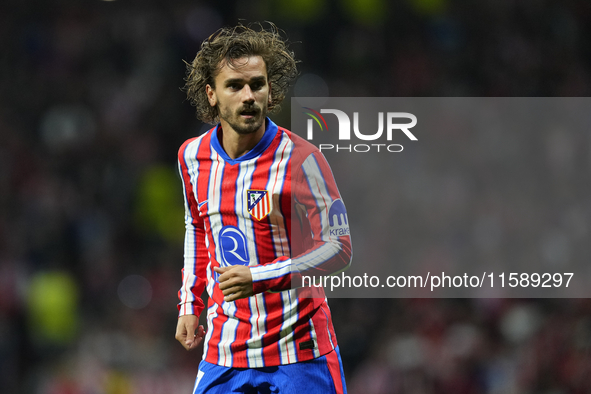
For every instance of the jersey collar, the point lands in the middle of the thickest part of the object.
(270, 133)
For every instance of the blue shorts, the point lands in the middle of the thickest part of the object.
(323, 375)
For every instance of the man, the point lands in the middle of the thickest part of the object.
(257, 200)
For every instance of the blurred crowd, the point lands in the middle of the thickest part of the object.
(91, 216)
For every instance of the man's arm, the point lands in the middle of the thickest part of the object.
(195, 263)
(329, 252)
(187, 332)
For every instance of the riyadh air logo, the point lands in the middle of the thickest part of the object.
(234, 248)
(259, 203)
(389, 123)
(338, 223)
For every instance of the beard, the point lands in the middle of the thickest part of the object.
(244, 125)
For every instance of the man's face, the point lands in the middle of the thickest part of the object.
(242, 94)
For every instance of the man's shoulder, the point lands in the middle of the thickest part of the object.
(193, 143)
(301, 147)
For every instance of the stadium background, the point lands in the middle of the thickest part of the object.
(91, 117)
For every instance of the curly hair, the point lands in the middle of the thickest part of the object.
(228, 44)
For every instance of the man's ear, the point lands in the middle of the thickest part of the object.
(269, 94)
(211, 95)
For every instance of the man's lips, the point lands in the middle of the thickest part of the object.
(248, 113)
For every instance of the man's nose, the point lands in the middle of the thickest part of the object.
(247, 94)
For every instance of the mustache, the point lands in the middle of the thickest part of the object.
(250, 108)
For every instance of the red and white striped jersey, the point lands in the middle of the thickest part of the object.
(277, 210)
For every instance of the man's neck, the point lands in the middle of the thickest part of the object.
(235, 144)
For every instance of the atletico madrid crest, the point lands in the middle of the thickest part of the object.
(259, 203)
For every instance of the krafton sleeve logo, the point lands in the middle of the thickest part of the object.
(392, 120)
(338, 222)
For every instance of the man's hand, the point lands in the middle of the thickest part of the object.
(235, 282)
(185, 331)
